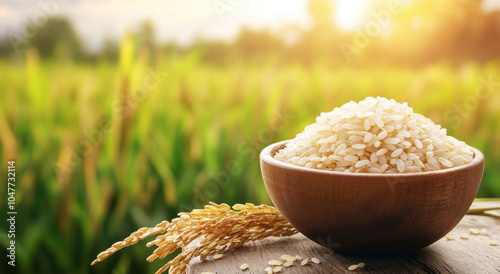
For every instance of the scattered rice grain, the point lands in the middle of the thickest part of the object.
(474, 231)
(274, 262)
(285, 257)
(353, 267)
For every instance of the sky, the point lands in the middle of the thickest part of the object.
(180, 21)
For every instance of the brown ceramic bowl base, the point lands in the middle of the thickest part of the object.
(371, 213)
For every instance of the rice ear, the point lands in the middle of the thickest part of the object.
(218, 228)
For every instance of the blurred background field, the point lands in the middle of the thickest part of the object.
(129, 134)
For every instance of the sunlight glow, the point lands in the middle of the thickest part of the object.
(349, 13)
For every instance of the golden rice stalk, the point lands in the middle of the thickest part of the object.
(217, 227)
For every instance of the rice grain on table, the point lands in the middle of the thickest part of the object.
(376, 135)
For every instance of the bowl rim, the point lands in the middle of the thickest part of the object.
(265, 156)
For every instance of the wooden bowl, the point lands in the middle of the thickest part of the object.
(371, 213)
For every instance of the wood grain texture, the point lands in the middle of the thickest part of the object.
(474, 255)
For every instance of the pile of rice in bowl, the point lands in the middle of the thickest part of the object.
(376, 135)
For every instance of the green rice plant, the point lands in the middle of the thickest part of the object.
(87, 175)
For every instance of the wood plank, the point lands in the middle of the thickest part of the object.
(474, 255)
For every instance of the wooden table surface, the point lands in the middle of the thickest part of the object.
(474, 255)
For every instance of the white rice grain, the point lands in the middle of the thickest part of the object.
(376, 135)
